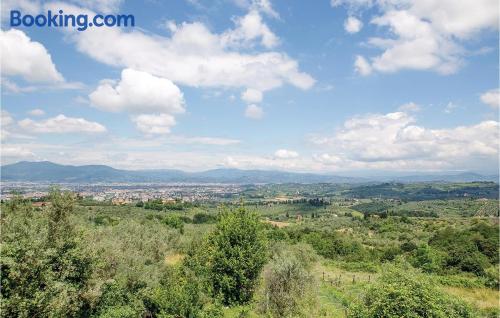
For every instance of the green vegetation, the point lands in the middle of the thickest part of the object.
(289, 251)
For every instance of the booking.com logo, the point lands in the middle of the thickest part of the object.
(80, 21)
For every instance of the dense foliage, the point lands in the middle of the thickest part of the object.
(401, 293)
(45, 269)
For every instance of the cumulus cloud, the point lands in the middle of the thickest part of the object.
(252, 96)
(138, 92)
(395, 140)
(61, 124)
(361, 66)
(155, 99)
(491, 98)
(192, 55)
(26, 58)
(353, 25)
(249, 28)
(36, 112)
(154, 124)
(254, 112)
(426, 35)
(286, 154)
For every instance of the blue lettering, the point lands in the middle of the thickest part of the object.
(15, 18)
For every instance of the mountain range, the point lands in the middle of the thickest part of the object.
(45, 171)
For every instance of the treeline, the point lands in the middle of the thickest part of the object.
(421, 192)
(384, 209)
(159, 205)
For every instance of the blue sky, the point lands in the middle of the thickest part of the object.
(345, 87)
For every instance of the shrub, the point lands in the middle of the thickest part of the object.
(289, 288)
(428, 259)
(404, 293)
(175, 222)
(45, 270)
(237, 254)
(200, 218)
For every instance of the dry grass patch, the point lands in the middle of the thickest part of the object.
(277, 223)
(174, 259)
(482, 298)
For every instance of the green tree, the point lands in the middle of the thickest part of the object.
(403, 293)
(237, 254)
(45, 272)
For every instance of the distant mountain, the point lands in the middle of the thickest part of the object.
(45, 171)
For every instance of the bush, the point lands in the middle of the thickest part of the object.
(428, 259)
(237, 254)
(332, 245)
(200, 218)
(175, 222)
(404, 293)
(463, 250)
(45, 270)
(289, 288)
(178, 295)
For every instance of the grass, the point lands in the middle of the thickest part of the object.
(481, 298)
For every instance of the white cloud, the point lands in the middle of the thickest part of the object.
(394, 140)
(249, 28)
(192, 56)
(254, 112)
(352, 4)
(101, 6)
(154, 124)
(286, 154)
(15, 151)
(212, 141)
(6, 119)
(155, 99)
(426, 35)
(26, 6)
(138, 92)
(61, 124)
(353, 25)
(36, 112)
(410, 107)
(252, 96)
(362, 66)
(230, 162)
(491, 98)
(13, 87)
(263, 6)
(450, 107)
(26, 58)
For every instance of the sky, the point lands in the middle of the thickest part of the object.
(338, 87)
